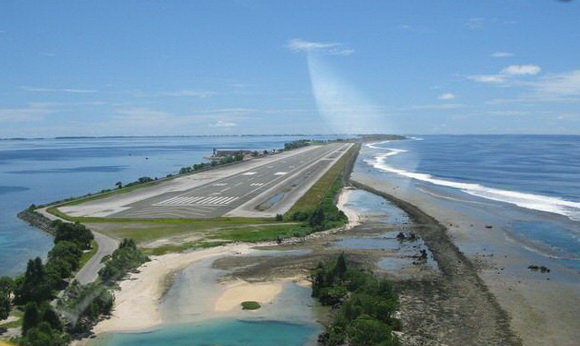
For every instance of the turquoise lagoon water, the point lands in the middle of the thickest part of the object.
(220, 332)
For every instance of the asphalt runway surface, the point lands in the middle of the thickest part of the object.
(261, 188)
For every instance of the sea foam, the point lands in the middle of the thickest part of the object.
(555, 205)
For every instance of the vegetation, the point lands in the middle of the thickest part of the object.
(365, 305)
(127, 257)
(250, 305)
(74, 232)
(296, 144)
(6, 289)
(214, 163)
(83, 306)
(41, 326)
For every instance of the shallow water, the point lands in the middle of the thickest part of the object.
(221, 332)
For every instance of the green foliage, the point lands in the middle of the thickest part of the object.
(67, 252)
(35, 285)
(366, 304)
(44, 335)
(73, 232)
(250, 305)
(84, 305)
(35, 315)
(6, 289)
(213, 163)
(296, 144)
(124, 259)
(31, 317)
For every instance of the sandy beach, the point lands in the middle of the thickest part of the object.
(137, 302)
(354, 218)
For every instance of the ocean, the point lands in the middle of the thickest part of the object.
(45, 170)
(534, 180)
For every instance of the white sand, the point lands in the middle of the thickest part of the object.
(137, 302)
(354, 218)
(241, 291)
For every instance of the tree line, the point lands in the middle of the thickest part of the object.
(364, 306)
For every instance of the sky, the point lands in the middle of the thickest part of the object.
(177, 67)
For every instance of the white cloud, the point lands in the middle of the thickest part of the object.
(475, 23)
(502, 55)
(419, 29)
(446, 96)
(433, 107)
(507, 74)
(488, 78)
(508, 113)
(521, 70)
(222, 123)
(52, 90)
(562, 84)
(332, 48)
(189, 92)
(20, 115)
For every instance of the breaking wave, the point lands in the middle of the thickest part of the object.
(555, 205)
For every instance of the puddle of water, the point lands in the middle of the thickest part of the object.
(270, 202)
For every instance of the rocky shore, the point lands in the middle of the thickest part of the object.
(37, 220)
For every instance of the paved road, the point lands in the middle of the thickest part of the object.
(89, 272)
(260, 185)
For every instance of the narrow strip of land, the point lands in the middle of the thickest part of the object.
(259, 188)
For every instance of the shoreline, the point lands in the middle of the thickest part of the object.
(538, 307)
(137, 302)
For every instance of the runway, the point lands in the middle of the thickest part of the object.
(262, 190)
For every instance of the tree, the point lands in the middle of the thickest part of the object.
(74, 232)
(31, 317)
(340, 268)
(66, 251)
(6, 288)
(119, 184)
(49, 316)
(35, 285)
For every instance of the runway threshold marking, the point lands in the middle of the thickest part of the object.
(196, 201)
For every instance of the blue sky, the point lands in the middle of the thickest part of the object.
(96, 68)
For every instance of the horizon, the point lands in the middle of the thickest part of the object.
(153, 68)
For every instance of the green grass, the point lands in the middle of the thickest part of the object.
(257, 233)
(250, 305)
(162, 250)
(88, 254)
(312, 199)
(17, 323)
(148, 230)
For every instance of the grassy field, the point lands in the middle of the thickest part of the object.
(311, 199)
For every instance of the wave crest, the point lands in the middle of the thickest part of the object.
(554, 205)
